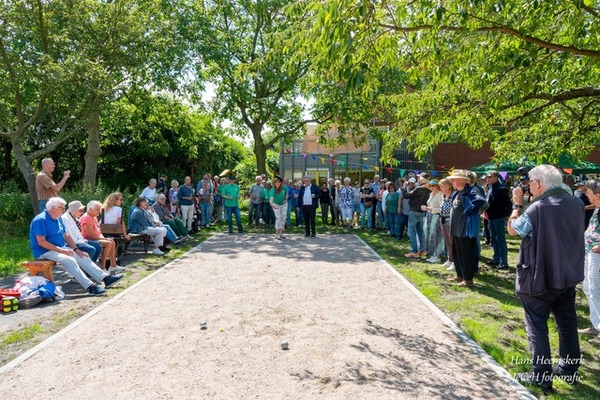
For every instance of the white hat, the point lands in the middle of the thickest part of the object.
(75, 206)
(412, 180)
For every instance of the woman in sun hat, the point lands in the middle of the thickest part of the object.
(464, 226)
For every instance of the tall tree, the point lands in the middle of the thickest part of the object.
(62, 61)
(237, 46)
(523, 74)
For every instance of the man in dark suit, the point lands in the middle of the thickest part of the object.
(308, 201)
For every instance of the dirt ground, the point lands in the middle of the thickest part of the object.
(355, 331)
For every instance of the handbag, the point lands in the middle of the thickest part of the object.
(368, 203)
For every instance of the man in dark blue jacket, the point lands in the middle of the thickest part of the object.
(308, 201)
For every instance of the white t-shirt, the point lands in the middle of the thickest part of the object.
(111, 216)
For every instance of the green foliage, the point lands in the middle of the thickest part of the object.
(14, 249)
(237, 43)
(458, 71)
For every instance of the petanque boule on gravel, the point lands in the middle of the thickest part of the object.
(285, 345)
(202, 324)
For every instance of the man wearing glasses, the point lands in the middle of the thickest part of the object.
(550, 265)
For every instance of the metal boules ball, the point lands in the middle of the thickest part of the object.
(285, 345)
(202, 324)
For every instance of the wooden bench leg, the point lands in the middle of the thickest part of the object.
(43, 266)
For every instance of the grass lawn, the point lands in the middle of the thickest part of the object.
(489, 312)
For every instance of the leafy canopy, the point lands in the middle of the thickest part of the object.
(522, 74)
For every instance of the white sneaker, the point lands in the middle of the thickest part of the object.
(117, 268)
(158, 252)
(451, 267)
(433, 259)
(188, 237)
(446, 264)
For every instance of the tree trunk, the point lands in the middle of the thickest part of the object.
(27, 172)
(93, 152)
(260, 151)
(7, 160)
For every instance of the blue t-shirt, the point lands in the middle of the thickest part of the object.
(52, 229)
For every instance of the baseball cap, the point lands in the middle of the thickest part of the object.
(412, 180)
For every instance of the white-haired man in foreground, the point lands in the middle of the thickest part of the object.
(49, 241)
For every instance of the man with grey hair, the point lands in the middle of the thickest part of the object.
(550, 265)
(45, 186)
(49, 240)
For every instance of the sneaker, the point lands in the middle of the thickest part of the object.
(422, 254)
(112, 280)
(433, 259)
(188, 237)
(500, 266)
(590, 330)
(446, 264)
(412, 255)
(96, 290)
(569, 377)
(451, 267)
(116, 268)
(492, 263)
(158, 252)
(164, 249)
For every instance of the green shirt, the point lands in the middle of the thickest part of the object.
(266, 195)
(391, 203)
(279, 198)
(234, 192)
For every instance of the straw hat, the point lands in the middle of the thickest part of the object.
(459, 174)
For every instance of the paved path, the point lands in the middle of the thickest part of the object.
(356, 330)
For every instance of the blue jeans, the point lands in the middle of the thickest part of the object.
(254, 212)
(380, 217)
(42, 204)
(268, 215)
(402, 224)
(205, 209)
(393, 220)
(498, 236)
(415, 231)
(366, 212)
(93, 248)
(231, 211)
(288, 218)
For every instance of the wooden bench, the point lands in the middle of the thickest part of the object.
(43, 266)
(115, 231)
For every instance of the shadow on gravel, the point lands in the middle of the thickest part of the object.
(402, 376)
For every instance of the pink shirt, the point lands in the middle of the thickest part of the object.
(88, 220)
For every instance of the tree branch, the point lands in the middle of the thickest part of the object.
(500, 29)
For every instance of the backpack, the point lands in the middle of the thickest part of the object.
(217, 200)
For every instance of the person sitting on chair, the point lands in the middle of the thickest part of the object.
(141, 222)
(90, 229)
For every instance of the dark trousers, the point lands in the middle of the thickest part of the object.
(324, 212)
(402, 225)
(268, 215)
(561, 303)
(335, 213)
(464, 253)
(254, 213)
(308, 214)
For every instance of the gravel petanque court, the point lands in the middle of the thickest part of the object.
(355, 331)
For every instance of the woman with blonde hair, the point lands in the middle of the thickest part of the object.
(112, 212)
